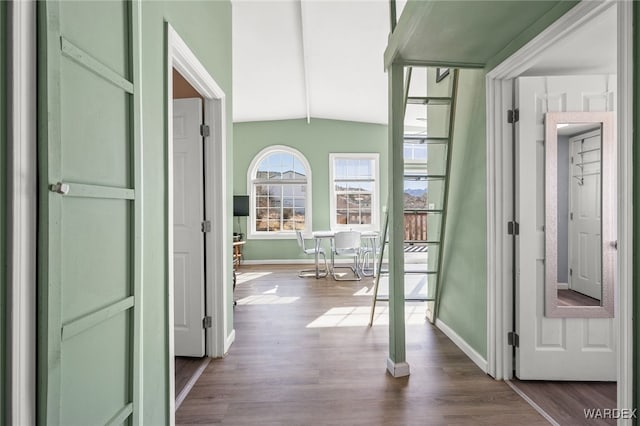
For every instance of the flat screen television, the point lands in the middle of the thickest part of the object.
(241, 205)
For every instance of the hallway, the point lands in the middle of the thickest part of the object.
(304, 355)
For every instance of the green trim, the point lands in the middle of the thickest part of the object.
(50, 207)
(101, 70)
(75, 327)
(96, 191)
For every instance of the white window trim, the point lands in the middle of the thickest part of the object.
(375, 197)
(251, 176)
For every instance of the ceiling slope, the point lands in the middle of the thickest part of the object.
(316, 57)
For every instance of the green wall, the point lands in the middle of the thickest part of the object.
(315, 141)
(463, 304)
(206, 28)
(3, 202)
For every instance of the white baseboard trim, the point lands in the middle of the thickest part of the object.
(229, 341)
(463, 345)
(400, 369)
(563, 286)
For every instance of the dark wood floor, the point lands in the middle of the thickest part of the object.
(565, 402)
(574, 298)
(185, 369)
(304, 356)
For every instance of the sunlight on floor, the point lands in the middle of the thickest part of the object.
(415, 286)
(358, 316)
(243, 277)
(266, 299)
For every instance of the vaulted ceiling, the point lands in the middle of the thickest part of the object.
(310, 58)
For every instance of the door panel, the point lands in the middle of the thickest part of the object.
(585, 226)
(553, 348)
(188, 214)
(89, 213)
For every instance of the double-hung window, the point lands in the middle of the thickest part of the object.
(279, 181)
(355, 191)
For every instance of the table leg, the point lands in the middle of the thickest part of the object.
(317, 241)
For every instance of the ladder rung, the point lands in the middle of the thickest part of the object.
(420, 242)
(428, 100)
(425, 139)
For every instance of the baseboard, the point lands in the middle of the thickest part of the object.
(562, 286)
(463, 345)
(400, 369)
(229, 341)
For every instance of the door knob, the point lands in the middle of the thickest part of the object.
(60, 188)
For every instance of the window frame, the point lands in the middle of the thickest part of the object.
(375, 195)
(252, 233)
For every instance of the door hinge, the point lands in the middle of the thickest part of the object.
(571, 216)
(513, 228)
(204, 130)
(513, 339)
(206, 226)
(570, 272)
(513, 116)
(207, 322)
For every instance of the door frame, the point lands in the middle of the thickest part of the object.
(499, 190)
(217, 242)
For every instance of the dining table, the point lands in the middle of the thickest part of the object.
(371, 236)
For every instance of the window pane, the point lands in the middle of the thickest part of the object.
(415, 194)
(341, 201)
(287, 213)
(299, 168)
(280, 207)
(341, 216)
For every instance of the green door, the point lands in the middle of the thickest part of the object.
(89, 213)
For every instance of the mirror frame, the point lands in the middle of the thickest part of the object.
(608, 219)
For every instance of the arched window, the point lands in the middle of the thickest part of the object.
(279, 181)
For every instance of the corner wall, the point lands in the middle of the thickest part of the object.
(463, 303)
(315, 141)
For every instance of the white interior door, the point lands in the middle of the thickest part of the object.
(586, 216)
(188, 214)
(553, 348)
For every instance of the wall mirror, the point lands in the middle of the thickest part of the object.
(580, 225)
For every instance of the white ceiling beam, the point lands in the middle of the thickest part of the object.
(305, 62)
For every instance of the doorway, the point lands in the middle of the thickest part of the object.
(189, 248)
(206, 329)
(502, 194)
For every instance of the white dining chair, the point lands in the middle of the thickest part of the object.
(346, 243)
(306, 273)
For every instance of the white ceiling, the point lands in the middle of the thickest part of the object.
(320, 58)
